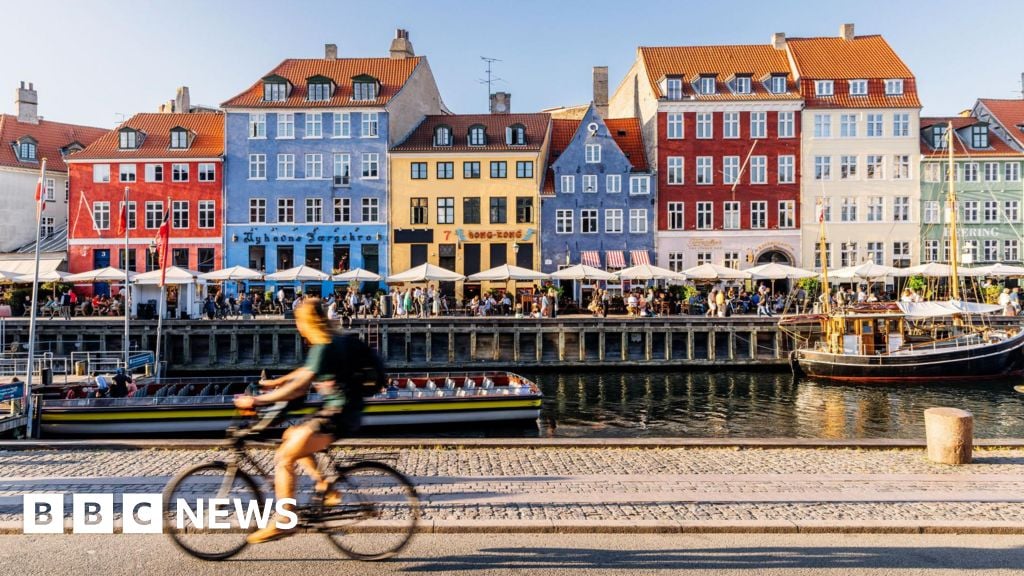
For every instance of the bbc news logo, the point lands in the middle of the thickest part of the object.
(144, 513)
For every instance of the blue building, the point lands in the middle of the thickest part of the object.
(597, 205)
(306, 170)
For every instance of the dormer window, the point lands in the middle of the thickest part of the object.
(706, 85)
(894, 87)
(71, 149)
(979, 136)
(364, 88)
(674, 88)
(939, 136)
(179, 138)
(275, 89)
(777, 84)
(128, 139)
(858, 87)
(26, 148)
(477, 135)
(442, 136)
(823, 88)
(741, 85)
(515, 135)
(319, 89)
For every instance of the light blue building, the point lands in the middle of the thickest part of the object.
(306, 169)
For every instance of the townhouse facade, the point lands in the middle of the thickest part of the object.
(307, 159)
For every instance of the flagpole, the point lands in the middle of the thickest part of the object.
(126, 308)
(164, 236)
(35, 296)
(159, 327)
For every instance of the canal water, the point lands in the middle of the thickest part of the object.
(760, 404)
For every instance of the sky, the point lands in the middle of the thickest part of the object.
(97, 62)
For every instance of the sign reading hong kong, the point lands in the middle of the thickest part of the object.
(144, 513)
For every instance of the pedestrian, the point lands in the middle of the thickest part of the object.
(720, 303)
(280, 298)
(65, 305)
(119, 387)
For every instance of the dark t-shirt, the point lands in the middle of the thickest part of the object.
(356, 370)
(119, 387)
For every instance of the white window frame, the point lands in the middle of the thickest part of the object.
(257, 125)
(637, 220)
(370, 166)
(705, 125)
(874, 167)
(858, 87)
(369, 125)
(675, 125)
(1011, 211)
(590, 184)
(787, 214)
(314, 208)
(589, 219)
(314, 127)
(568, 184)
(257, 166)
(730, 125)
(787, 169)
(932, 212)
(787, 125)
(180, 215)
(847, 125)
(564, 221)
(341, 127)
(705, 174)
(823, 88)
(730, 215)
(126, 173)
(101, 215)
(894, 87)
(151, 173)
(592, 153)
(676, 212)
(313, 167)
(259, 205)
(613, 184)
(343, 210)
(901, 169)
(207, 172)
(154, 213)
(370, 210)
(901, 124)
(207, 214)
(705, 216)
(613, 220)
(848, 167)
(285, 126)
(875, 211)
(286, 166)
(674, 171)
(730, 169)
(179, 173)
(286, 210)
(759, 214)
(875, 125)
(822, 125)
(639, 185)
(758, 124)
(101, 173)
(901, 209)
(758, 169)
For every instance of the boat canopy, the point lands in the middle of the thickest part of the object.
(946, 308)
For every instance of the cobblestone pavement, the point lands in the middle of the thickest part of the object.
(594, 484)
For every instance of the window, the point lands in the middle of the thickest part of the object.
(822, 88)
(979, 136)
(848, 210)
(207, 213)
(705, 169)
(758, 169)
(563, 221)
(901, 124)
(101, 173)
(285, 166)
(314, 166)
(675, 169)
(901, 254)
(1011, 210)
(901, 167)
(931, 212)
(418, 211)
(286, 210)
(1011, 172)
(730, 169)
(446, 210)
(318, 91)
(675, 126)
(524, 169)
(759, 214)
(499, 169)
(787, 170)
(822, 167)
(874, 125)
(848, 254)
(970, 172)
(706, 85)
(990, 211)
(848, 126)
(874, 212)
(731, 215)
(705, 130)
(371, 210)
(364, 90)
(1011, 250)
(817, 254)
(590, 183)
(257, 125)
(27, 150)
(568, 184)
(638, 221)
(939, 137)
(179, 138)
(154, 172)
(730, 125)
(499, 210)
(275, 91)
(847, 167)
(824, 209)
(674, 88)
(822, 125)
(477, 136)
(179, 214)
(470, 169)
(126, 173)
(758, 124)
(369, 125)
(257, 210)
(342, 125)
(901, 209)
(777, 84)
(179, 172)
(371, 165)
(787, 214)
(703, 258)
(257, 166)
(858, 87)
(101, 215)
(442, 136)
(675, 216)
(741, 84)
(588, 221)
(342, 210)
(285, 125)
(445, 170)
(470, 210)
(931, 250)
(990, 251)
(894, 87)
(342, 169)
(127, 140)
(593, 153)
(419, 170)
(639, 185)
(314, 125)
(873, 169)
(786, 125)
(613, 183)
(524, 210)
(613, 220)
(705, 216)
(991, 172)
(875, 252)
(971, 214)
(154, 214)
(932, 172)
(314, 210)
(207, 172)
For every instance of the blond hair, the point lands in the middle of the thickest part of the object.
(311, 320)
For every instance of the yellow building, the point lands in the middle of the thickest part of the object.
(465, 195)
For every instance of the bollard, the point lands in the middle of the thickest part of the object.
(950, 434)
(80, 368)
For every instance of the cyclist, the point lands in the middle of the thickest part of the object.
(340, 366)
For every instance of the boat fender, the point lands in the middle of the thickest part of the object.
(794, 365)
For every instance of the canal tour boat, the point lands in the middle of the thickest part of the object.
(206, 405)
(914, 342)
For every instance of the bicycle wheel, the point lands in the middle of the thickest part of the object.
(193, 488)
(377, 515)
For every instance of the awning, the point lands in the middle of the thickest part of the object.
(590, 258)
(28, 265)
(947, 308)
(615, 259)
(639, 257)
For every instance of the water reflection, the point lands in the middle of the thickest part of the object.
(743, 404)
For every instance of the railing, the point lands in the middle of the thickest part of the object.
(104, 361)
(16, 364)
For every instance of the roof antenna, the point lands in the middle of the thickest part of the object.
(490, 79)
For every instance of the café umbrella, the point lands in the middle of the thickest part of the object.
(583, 272)
(426, 272)
(714, 273)
(507, 272)
(108, 274)
(356, 275)
(777, 271)
(648, 272)
(236, 273)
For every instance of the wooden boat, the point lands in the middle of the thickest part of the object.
(205, 405)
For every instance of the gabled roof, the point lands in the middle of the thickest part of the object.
(836, 58)
(391, 73)
(207, 142)
(625, 131)
(50, 138)
(690, 62)
(996, 145)
(1009, 114)
(422, 138)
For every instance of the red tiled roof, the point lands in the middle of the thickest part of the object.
(1009, 113)
(422, 138)
(562, 131)
(997, 146)
(627, 134)
(875, 97)
(50, 138)
(392, 73)
(207, 142)
(725, 61)
(836, 58)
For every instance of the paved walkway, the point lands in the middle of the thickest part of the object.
(621, 489)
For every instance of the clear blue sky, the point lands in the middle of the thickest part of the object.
(94, 60)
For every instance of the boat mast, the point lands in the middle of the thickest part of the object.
(826, 288)
(953, 247)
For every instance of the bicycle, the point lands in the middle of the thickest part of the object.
(376, 499)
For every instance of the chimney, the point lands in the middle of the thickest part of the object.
(401, 47)
(27, 102)
(330, 51)
(779, 40)
(182, 102)
(601, 90)
(501, 103)
(846, 32)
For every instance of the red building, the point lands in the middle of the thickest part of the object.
(159, 158)
(725, 121)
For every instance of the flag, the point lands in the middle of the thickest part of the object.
(162, 240)
(122, 223)
(40, 204)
